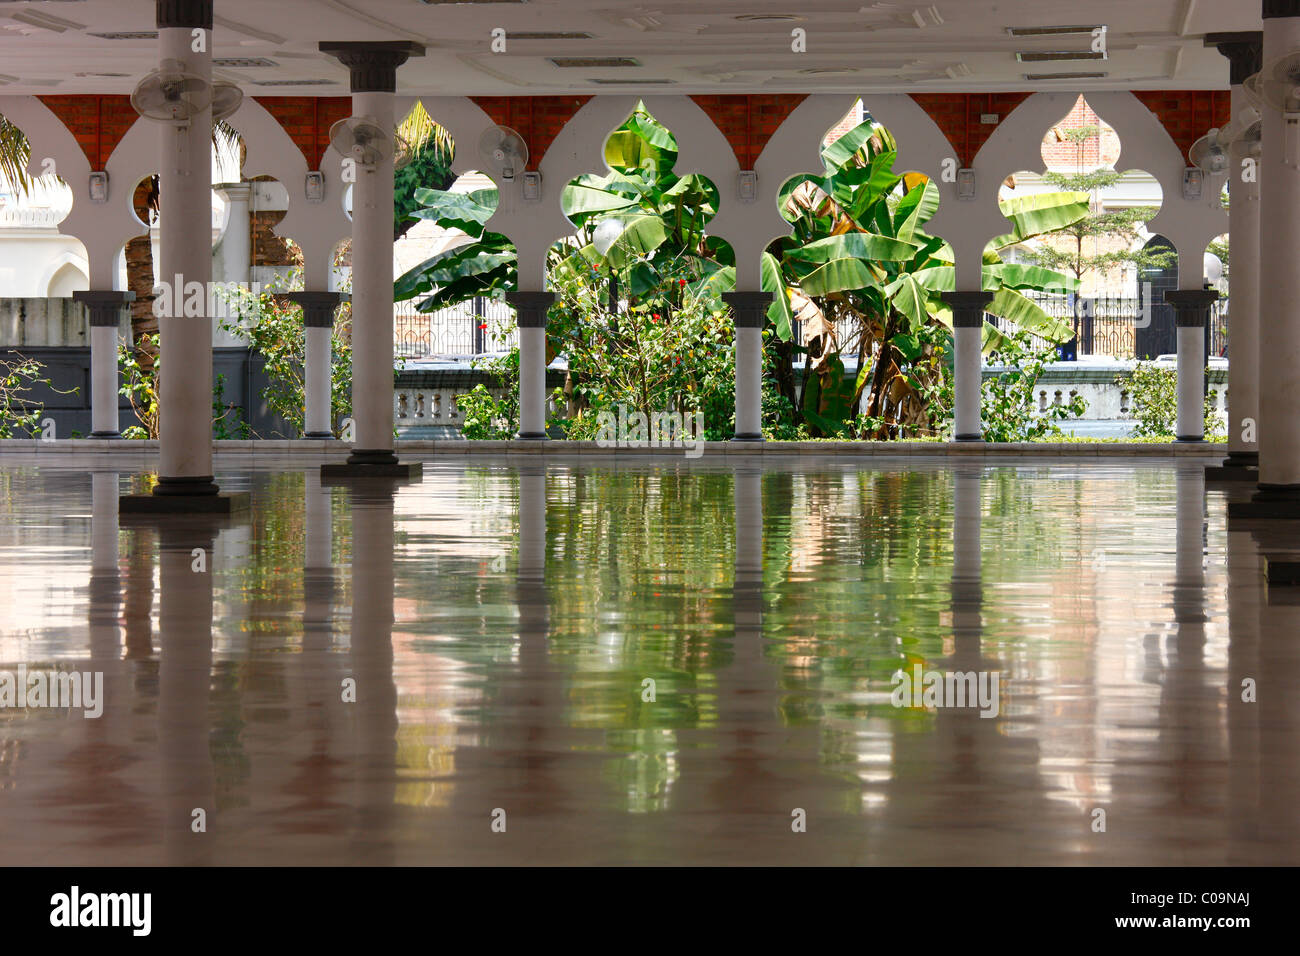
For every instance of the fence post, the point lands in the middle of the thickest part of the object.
(478, 326)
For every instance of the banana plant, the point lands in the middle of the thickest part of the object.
(861, 275)
(484, 264)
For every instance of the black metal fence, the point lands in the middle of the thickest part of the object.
(471, 328)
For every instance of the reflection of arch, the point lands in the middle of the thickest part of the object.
(65, 273)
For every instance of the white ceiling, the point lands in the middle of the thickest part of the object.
(701, 46)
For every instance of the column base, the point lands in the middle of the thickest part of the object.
(1271, 502)
(1282, 569)
(532, 436)
(967, 437)
(104, 435)
(351, 470)
(318, 435)
(1184, 439)
(1238, 466)
(749, 436)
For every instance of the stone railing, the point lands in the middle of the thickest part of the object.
(24, 218)
(426, 402)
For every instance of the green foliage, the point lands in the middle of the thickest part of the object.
(226, 416)
(140, 385)
(484, 265)
(484, 415)
(1007, 399)
(18, 417)
(275, 330)
(863, 278)
(1153, 392)
(430, 167)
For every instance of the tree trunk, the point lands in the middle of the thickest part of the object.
(140, 276)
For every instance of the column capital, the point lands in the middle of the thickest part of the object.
(530, 308)
(1191, 306)
(1281, 9)
(373, 65)
(184, 14)
(104, 307)
(1244, 51)
(748, 308)
(967, 308)
(234, 192)
(318, 307)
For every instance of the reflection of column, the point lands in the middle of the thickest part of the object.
(105, 577)
(967, 568)
(372, 666)
(1243, 52)
(1192, 314)
(1278, 824)
(750, 310)
(318, 317)
(374, 80)
(968, 332)
(184, 679)
(1245, 595)
(530, 309)
(105, 311)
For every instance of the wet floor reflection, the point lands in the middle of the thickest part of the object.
(564, 662)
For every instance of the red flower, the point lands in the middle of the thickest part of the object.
(656, 316)
(482, 325)
(681, 282)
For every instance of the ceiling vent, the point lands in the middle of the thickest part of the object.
(1065, 76)
(1054, 31)
(1051, 56)
(243, 62)
(609, 82)
(295, 83)
(593, 62)
(139, 35)
(547, 35)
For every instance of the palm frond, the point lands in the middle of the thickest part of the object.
(421, 132)
(15, 154)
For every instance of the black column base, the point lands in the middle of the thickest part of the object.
(532, 436)
(1269, 502)
(967, 437)
(319, 435)
(748, 437)
(1234, 468)
(350, 470)
(1282, 569)
(104, 435)
(1190, 439)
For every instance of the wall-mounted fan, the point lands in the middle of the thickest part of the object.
(169, 94)
(1277, 87)
(226, 99)
(363, 140)
(503, 150)
(1209, 155)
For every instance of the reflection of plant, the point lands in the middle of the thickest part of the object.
(1008, 397)
(17, 379)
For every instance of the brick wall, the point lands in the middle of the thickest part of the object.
(1188, 114)
(538, 119)
(307, 120)
(748, 122)
(97, 122)
(958, 117)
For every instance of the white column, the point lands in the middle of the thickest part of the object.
(105, 314)
(1243, 347)
(968, 363)
(235, 254)
(185, 247)
(1192, 315)
(373, 69)
(530, 311)
(1279, 334)
(749, 310)
(318, 318)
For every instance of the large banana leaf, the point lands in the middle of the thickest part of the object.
(911, 299)
(838, 275)
(580, 201)
(915, 209)
(1014, 306)
(641, 236)
(771, 280)
(1013, 275)
(840, 152)
(464, 211)
(856, 245)
(1044, 212)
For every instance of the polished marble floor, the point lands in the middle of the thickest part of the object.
(544, 660)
